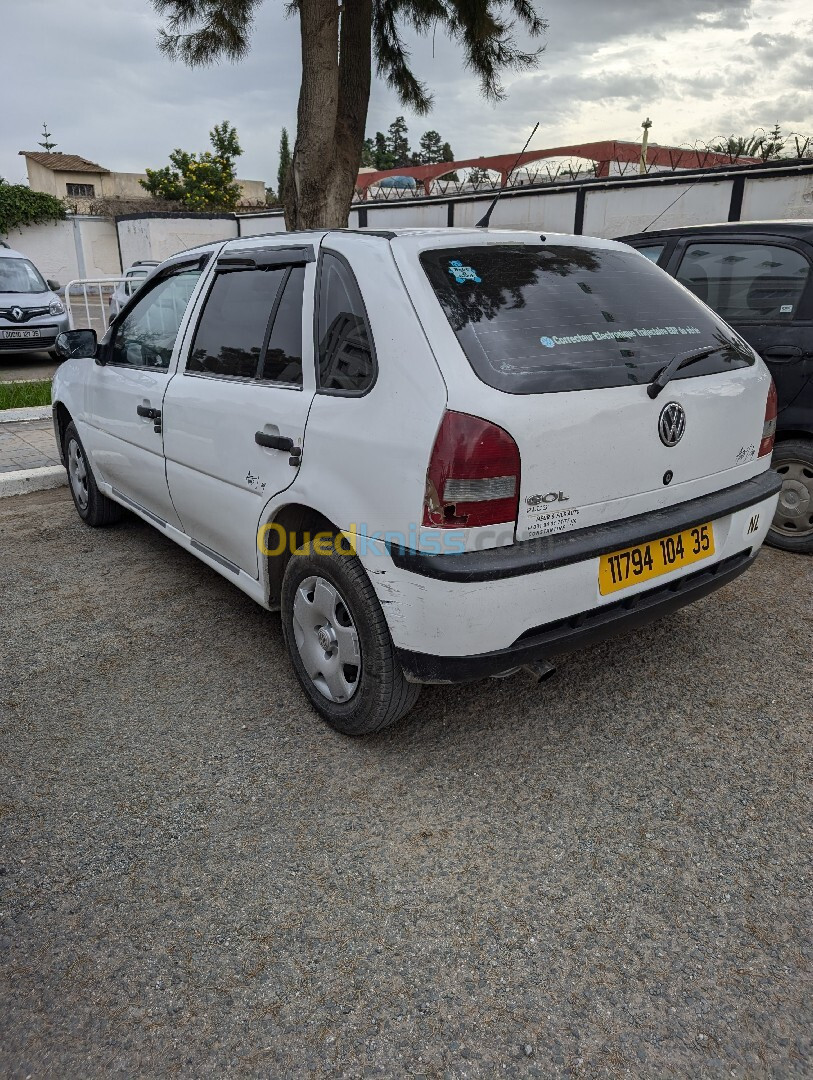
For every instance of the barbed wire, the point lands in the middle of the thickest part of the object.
(791, 146)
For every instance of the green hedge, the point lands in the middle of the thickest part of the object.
(19, 205)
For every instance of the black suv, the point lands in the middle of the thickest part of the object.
(758, 275)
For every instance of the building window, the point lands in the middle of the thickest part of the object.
(87, 191)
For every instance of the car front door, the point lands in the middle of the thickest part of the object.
(762, 286)
(127, 388)
(234, 417)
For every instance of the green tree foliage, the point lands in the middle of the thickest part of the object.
(431, 148)
(46, 143)
(398, 143)
(202, 182)
(284, 160)
(19, 206)
(340, 47)
(769, 146)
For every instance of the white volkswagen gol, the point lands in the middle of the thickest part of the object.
(442, 454)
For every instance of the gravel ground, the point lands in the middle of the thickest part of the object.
(605, 876)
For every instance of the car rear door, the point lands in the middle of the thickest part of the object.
(762, 286)
(234, 417)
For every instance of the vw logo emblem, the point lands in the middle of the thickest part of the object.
(671, 424)
(17, 314)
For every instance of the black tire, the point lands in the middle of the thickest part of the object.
(381, 694)
(792, 527)
(92, 507)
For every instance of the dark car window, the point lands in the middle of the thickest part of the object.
(146, 336)
(534, 319)
(282, 362)
(346, 360)
(231, 333)
(746, 282)
(653, 252)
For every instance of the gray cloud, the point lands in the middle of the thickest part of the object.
(107, 93)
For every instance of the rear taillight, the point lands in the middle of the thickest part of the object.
(769, 427)
(473, 475)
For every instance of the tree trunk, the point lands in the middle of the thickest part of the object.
(332, 112)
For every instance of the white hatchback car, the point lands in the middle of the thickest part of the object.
(442, 454)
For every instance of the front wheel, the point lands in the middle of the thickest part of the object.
(92, 507)
(339, 642)
(792, 527)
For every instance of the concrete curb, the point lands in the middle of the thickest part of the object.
(38, 412)
(24, 481)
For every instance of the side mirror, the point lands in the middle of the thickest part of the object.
(76, 343)
(53, 285)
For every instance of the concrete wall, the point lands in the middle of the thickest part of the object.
(89, 247)
(160, 237)
(64, 250)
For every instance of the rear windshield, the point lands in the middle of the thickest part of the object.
(535, 320)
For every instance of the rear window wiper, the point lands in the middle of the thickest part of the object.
(676, 363)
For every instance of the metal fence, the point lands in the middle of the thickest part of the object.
(91, 302)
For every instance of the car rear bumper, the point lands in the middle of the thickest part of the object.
(578, 631)
(460, 617)
(548, 552)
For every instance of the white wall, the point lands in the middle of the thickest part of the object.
(612, 212)
(160, 237)
(60, 248)
(55, 247)
(783, 197)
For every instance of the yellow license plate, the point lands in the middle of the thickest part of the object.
(624, 568)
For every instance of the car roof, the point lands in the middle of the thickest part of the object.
(800, 227)
(418, 239)
(9, 253)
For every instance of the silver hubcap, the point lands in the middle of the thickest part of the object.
(78, 474)
(794, 512)
(327, 639)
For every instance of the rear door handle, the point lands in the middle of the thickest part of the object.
(148, 413)
(274, 442)
(783, 352)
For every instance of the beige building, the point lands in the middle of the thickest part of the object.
(82, 182)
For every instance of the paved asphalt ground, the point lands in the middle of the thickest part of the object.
(606, 876)
(26, 366)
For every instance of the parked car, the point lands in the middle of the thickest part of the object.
(441, 454)
(132, 279)
(757, 276)
(31, 314)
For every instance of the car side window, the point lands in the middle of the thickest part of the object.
(653, 252)
(346, 357)
(231, 333)
(282, 361)
(146, 337)
(746, 282)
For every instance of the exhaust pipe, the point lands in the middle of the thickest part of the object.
(540, 670)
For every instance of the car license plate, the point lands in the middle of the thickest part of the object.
(621, 569)
(17, 335)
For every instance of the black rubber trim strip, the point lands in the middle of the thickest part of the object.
(579, 631)
(547, 552)
(264, 258)
(137, 506)
(216, 557)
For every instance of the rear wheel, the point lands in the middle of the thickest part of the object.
(792, 527)
(340, 645)
(92, 507)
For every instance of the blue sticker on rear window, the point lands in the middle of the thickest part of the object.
(462, 273)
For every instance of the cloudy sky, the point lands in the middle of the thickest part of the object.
(699, 69)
